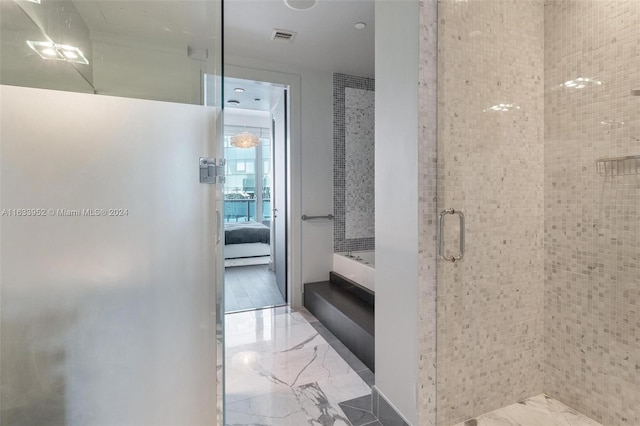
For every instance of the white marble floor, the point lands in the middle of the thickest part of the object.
(279, 371)
(540, 410)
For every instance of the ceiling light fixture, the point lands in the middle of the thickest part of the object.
(300, 4)
(233, 102)
(49, 51)
(238, 90)
(58, 52)
(69, 54)
(257, 99)
(245, 140)
(360, 25)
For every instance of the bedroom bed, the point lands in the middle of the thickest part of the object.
(246, 239)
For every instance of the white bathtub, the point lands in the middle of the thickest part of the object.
(359, 268)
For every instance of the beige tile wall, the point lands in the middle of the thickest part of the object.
(490, 165)
(592, 227)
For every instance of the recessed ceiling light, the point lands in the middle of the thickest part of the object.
(300, 4)
(70, 54)
(49, 51)
(238, 90)
(233, 102)
(360, 25)
(257, 99)
(58, 52)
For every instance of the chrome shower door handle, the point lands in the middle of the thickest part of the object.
(462, 232)
(441, 217)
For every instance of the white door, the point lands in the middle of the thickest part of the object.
(279, 194)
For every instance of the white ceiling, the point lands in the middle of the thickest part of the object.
(151, 20)
(266, 92)
(326, 38)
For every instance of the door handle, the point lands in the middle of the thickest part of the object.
(218, 226)
(441, 217)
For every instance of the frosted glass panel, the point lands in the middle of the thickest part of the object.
(157, 50)
(107, 291)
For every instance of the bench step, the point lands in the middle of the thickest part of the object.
(345, 314)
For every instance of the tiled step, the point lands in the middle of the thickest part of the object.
(347, 310)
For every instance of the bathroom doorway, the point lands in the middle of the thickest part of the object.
(255, 204)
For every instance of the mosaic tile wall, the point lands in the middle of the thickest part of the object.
(490, 166)
(592, 227)
(352, 239)
(427, 163)
(359, 163)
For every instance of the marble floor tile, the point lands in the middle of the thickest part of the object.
(358, 417)
(306, 404)
(280, 371)
(361, 403)
(359, 410)
(540, 410)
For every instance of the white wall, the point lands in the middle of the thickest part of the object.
(397, 30)
(317, 174)
(247, 117)
(126, 67)
(312, 155)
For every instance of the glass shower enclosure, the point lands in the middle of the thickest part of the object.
(110, 280)
(538, 144)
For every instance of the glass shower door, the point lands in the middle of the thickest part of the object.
(110, 281)
(491, 170)
(538, 145)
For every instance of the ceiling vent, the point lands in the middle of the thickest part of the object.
(282, 36)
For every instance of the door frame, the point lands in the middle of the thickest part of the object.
(293, 170)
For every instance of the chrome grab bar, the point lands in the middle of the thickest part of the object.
(329, 216)
(460, 255)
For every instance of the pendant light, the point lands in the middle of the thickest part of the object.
(245, 140)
